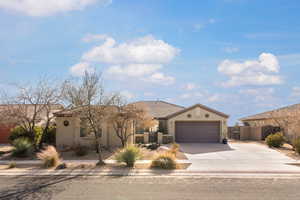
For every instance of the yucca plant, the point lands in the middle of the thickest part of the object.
(22, 147)
(129, 155)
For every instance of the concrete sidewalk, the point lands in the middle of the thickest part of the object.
(35, 162)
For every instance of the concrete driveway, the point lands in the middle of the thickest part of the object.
(237, 157)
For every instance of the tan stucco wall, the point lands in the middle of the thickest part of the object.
(68, 136)
(198, 114)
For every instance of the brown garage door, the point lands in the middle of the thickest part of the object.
(190, 132)
(4, 133)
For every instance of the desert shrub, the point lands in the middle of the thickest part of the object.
(174, 149)
(164, 161)
(19, 132)
(80, 150)
(296, 145)
(49, 156)
(152, 146)
(50, 136)
(12, 165)
(275, 140)
(22, 147)
(129, 155)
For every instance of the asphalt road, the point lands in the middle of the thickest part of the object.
(140, 188)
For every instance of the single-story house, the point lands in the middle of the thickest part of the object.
(21, 111)
(284, 116)
(194, 124)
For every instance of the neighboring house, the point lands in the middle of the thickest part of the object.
(195, 124)
(71, 130)
(24, 110)
(284, 116)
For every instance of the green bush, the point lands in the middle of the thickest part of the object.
(19, 132)
(50, 136)
(12, 165)
(164, 161)
(129, 155)
(22, 147)
(275, 140)
(297, 145)
(49, 156)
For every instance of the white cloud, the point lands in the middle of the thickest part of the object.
(47, 7)
(295, 92)
(213, 98)
(263, 97)
(133, 70)
(263, 71)
(128, 95)
(94, 37)
(202, 96)
(80, 68)
(231, 49)
(160, 78)
(200, 26)
(141, 58)
(149, 94)
(141, 50)
(190, 86)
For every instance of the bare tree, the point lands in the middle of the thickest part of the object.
(30, 106)
(287, 119)
(88, 94)
(126, 118)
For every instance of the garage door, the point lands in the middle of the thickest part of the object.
(4, 134)
(190, 132)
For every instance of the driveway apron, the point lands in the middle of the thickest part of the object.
(236, 157)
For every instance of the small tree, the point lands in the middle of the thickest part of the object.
(287, 119)
(31, 106)
(126, 117)
(87, 93)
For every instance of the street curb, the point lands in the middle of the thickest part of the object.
(152, 173)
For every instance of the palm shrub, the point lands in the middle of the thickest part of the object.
(275, 140)
(129, 155)
(49, 156)
(164, 161)
(297, 145)
(17, 132)
(22, 147)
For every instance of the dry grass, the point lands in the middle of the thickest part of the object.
(164, 161)
(49, 156)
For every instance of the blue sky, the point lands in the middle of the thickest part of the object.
(238, 56)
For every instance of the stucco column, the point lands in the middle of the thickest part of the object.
(131, 139)
(146, 138)
(159, 138)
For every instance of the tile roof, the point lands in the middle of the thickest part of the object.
(267, 115)
(159, 109)
(197, 105)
